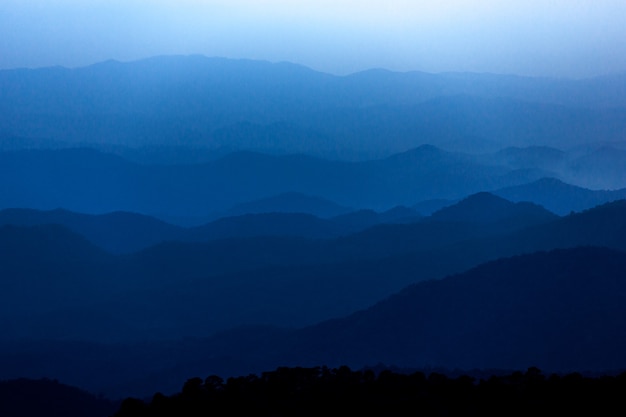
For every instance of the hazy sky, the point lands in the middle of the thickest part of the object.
(565, 38)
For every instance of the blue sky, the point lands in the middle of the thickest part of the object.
(560, 38)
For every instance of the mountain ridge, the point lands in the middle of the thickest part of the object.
(188, 100)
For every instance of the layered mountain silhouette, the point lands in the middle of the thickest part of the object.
(559, 197)
(182, 216)
(121, 232)
(558, 310)
(177, 289)
(487, 208)
(117, 232)
(88, 181)
(194, 100)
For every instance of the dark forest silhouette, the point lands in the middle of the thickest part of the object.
(342, 391)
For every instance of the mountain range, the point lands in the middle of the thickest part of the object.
(89, 181)
(177, 289)
(558, 310)
(190, 216)
(199, 101)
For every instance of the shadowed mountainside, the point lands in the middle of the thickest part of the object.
(560, 310)
(180, 289)
(117, 232)
(488, 208)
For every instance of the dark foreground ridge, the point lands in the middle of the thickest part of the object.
(45, 397)
(316, 391)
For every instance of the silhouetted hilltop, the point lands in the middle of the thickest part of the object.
(488, 208)
(603, 225)
(117, 232)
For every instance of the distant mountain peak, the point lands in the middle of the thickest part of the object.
(483, 196)
(486, 207)
(481, 201)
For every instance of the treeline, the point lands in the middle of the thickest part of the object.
(342, 391)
